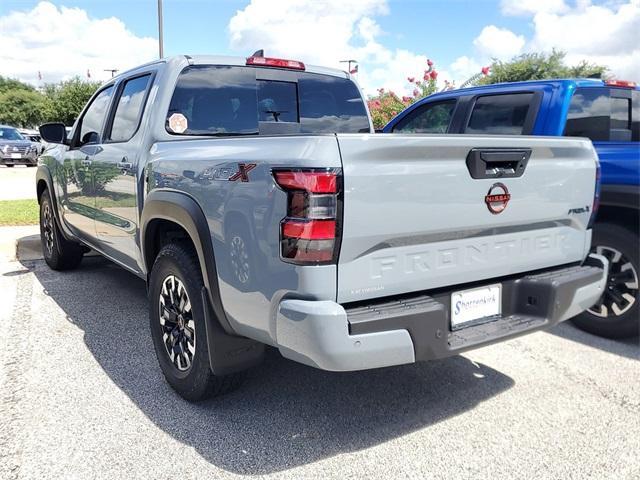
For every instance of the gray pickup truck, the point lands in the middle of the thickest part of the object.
(253, 197)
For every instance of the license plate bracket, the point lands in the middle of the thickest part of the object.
(475, 305)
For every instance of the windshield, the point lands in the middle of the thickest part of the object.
(223, 100)
(8, 133)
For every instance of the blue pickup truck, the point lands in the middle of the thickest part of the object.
(607, 112)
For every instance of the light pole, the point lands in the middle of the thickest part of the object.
(350, 62)
(160, 47)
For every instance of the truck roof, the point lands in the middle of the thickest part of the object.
(226, 60)
(578, 82)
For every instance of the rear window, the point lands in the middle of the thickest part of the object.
(219, 100)
(599, 114)
(500, 114)
(429, 118)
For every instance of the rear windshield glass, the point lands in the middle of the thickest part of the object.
(221, 100)
(500, 114)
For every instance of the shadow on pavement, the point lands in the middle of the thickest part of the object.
(628, 347)
(285, 414)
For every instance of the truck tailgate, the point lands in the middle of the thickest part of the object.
(416, 219)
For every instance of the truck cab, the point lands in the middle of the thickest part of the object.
(608, 113)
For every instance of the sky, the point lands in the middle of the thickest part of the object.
(47, 41)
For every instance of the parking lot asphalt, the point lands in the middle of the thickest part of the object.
(83, 397)
(17, 183)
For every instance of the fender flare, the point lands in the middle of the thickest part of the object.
(228, 353)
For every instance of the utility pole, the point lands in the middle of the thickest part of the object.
(160, 46)
(112, 70)
(349, 62)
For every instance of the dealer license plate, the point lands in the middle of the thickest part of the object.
(467, 306)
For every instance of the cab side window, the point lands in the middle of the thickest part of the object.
(504, 114)
(429, 118)
(129, 109)
(94, 117)
(600, 114)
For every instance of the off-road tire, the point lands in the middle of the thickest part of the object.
(58, 252)
(627, 324)
(198, 382)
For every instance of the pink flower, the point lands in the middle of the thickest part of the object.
(406, 99)
(411, 79)
(381, 90)
(485, 70)
(426, 75)
(429, 62)
(434, 75)
(415, 92)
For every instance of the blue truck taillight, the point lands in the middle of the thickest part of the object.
(596, 197)
(310, 233)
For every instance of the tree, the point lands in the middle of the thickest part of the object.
(10, 84)
(386, 105)
(538, 66)
(65, 100)
(21, 108)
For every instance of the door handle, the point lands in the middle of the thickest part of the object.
(124, 164)
(86, 162)
(497, 162)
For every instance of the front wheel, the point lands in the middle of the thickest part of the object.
(58, 252)
(616, 314)
(178, 327)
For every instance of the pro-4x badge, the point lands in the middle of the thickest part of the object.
(242, 173)
(497, 198)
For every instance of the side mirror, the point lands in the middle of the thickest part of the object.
(53, 133)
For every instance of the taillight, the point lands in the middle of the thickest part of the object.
(275, 62)
(310, 233)
(620, 83)
(596, 197)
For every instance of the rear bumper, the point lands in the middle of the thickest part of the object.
(329, 336)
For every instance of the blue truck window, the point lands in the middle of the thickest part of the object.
(500, 114)
(589, 114)
(428, 118)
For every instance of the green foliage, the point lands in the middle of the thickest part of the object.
(66, 99)
(21, 107)
(538, 66)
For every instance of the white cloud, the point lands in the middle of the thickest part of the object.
(607, 34)
(325, 32)
(597, 33)
(528, 7)
(65, 42)
(500, 43)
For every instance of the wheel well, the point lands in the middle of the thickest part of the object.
(159, 233)
(625, 217)
(41, 187)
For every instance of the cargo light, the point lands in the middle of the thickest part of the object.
(621, 83)
(310, 233)
(275, 63)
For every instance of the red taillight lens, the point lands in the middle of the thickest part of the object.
(309, 233)
(311, 230)
(275, 62)
(312, 182)
(620, 83)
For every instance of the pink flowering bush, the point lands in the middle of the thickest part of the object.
(386, 104)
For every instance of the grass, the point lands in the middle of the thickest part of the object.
(19, 212)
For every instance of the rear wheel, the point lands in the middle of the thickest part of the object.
(178, 327)
(58, 252)
(9, 165)
(616, 314)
